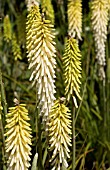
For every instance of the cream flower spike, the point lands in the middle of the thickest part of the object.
(99, 25)
(31, 2)
(59, 132)
(18, 138)
(41, 57)
(75, 18)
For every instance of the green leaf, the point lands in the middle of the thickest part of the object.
(97, 114)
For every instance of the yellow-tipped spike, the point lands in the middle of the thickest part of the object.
(7, 28)
(72, 69)
(18, 138)
(16, 48)
(59, 132)
(48, 10)
(75, 18)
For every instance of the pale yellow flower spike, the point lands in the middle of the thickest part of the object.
(72, 69)
(41, 56)
(59, 132)
(16, 48)
(75, 18)
(48, 10)
(99, 25)
(7, 28)
(18, 138)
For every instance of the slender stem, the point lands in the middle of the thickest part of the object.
(39, 146)
(108, 82)
(4, 104)
(3, 99)
(38, 136)
(104, 106)
(88, 61)
(81, 101)
(3, 138)
(108, 110)
(40, 164)
(73, 128)
(73, 143)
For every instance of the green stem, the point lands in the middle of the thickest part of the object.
(81, 101)
(3, 140)
(108, 82)
(40, 164)
(104, 106)
(73, 133)
(3, 99)
(4, 104)
(108, 108)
